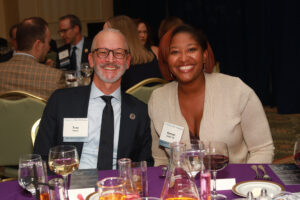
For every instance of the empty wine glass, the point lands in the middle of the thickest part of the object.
(63, 160)
(297, 152)
(31, 172)
(216, 158)
(86, 72)
(194, 161)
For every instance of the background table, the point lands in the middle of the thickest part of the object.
(242, 172)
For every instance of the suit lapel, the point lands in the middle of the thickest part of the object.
(83, 110)
(85, 51)
(125, 121)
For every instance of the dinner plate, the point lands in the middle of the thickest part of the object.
(255, 187)
(93, 196)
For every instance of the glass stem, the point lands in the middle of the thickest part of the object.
(66, 186)
(214, 192)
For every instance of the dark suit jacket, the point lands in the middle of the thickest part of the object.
(87, 43)
(134, 139)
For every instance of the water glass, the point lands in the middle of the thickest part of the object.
(140, 178)
(111, 188)
(31, 173)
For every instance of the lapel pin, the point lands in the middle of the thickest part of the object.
(86, 50)
(132, 116)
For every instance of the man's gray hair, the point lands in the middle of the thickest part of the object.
(109, 30)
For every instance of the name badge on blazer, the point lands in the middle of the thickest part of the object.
(64, 57)
(75, 130)
(169, 134)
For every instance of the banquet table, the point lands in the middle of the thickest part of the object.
(241, 172)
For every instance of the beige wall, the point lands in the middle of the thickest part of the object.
(14, 11)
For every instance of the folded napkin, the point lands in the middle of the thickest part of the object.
(73, 193)
(223, 184)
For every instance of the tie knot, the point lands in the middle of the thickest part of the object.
(74, 49)
(107, 99)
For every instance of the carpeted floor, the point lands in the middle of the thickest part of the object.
(285, 130)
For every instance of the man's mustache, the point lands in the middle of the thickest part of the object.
(110, 64)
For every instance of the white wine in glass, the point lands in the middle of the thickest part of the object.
(63, 160)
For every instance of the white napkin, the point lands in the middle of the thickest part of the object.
(84, 192)
(223, 184)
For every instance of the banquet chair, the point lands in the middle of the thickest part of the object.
(19, 111)
(34, 130)
(142, 91)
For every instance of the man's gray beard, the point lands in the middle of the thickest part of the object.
(116, 78)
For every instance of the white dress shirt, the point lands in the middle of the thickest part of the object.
(89, 156)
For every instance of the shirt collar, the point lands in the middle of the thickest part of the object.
(24, 54)
(95, 93)
(79, 45)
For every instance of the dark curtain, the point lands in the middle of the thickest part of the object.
(256, 40)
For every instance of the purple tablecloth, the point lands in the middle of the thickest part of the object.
(242, 172)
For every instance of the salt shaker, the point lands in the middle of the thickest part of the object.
(264, 195)
(57, 189)
(250, 196)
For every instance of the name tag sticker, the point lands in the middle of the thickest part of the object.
(75, 129)
(63, 54)
(169, 134)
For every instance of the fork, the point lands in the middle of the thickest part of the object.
(258, 176)
(265, 176)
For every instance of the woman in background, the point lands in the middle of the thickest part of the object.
(143, 63)
(207, 106)
(145, 36)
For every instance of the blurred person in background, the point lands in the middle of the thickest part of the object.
(145, 35)
(76, 48)
(24, 70)
(143, 63)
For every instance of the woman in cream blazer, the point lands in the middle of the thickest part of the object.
(209, 107)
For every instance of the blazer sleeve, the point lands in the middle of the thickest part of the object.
(48, 129)
(159, 154)
(256, 131)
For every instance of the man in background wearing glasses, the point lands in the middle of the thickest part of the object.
(76, 48)
(78, 116)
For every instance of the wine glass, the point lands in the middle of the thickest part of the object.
(31, 172)
(216, 158)
(86, 72)
(297, 152)
(194, 161)
(63, 160)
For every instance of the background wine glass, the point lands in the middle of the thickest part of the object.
(86, 72)
(31, 167)
(63, 160)
(216, 158)
(297, 152)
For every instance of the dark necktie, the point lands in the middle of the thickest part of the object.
(105, 154)
(73, 58)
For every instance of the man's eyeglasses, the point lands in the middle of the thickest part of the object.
(64, 30)
(104, 52)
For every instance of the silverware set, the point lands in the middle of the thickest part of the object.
(258, 175)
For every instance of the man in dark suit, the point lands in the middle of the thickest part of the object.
(75, 115)
(76, 48)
